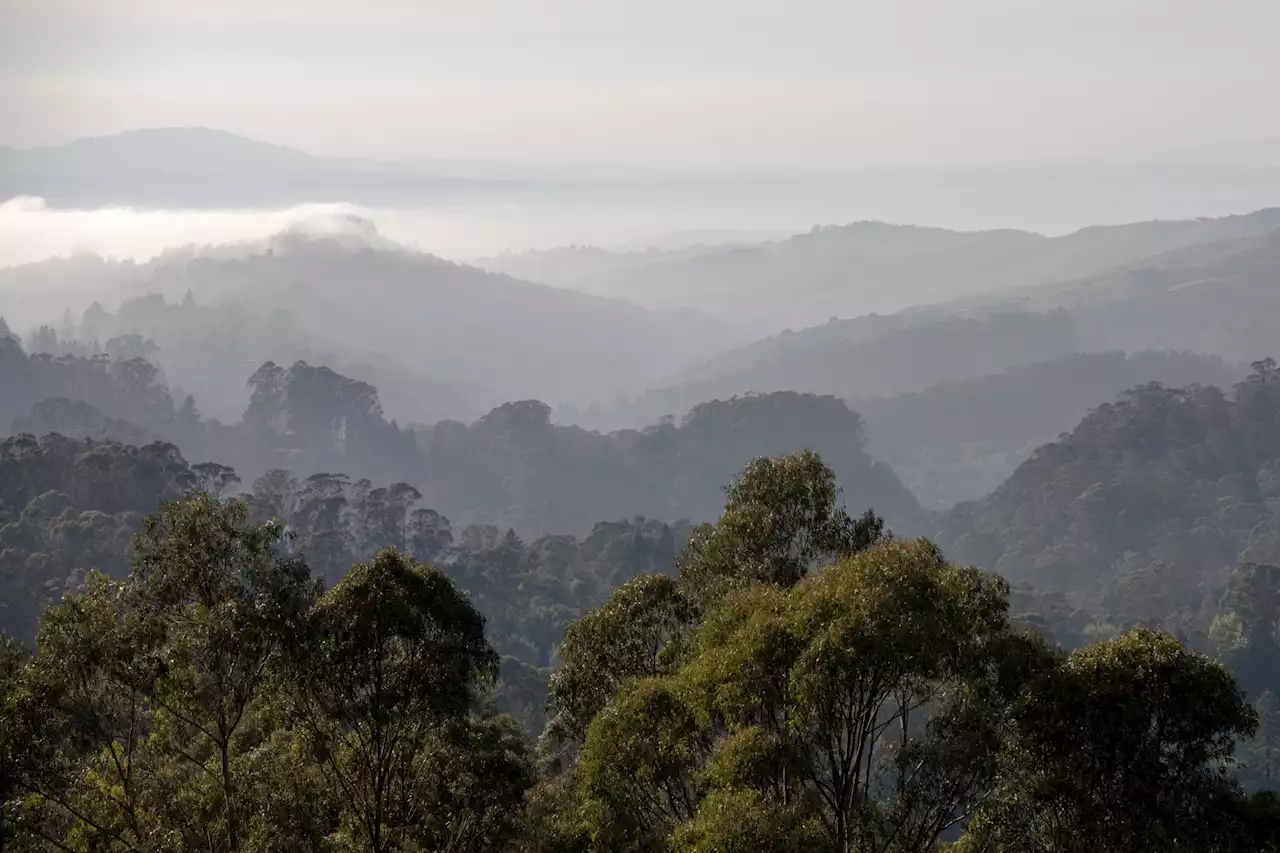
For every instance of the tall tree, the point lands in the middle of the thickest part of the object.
(1123, 747)
(394, 655)
(781, 519)
(865, 700)
(148, 686)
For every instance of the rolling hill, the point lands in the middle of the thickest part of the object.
(865, 267)
(374, 303)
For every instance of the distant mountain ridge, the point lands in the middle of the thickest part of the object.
(1212, 290)
(173, 149)
(204, 168)
(865, 267)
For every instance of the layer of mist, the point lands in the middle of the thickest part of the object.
(690, 426)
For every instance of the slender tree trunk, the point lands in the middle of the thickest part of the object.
(228, 797)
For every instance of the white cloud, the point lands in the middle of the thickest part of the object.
(31, 231)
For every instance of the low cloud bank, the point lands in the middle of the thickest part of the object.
(30, 230)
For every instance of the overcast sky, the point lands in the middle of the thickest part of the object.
(812, 82)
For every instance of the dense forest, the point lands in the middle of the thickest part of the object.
(676, 427)
(273, 577)
(957, 441)
(798, 679)
(1141, 513)
(512, 467)
(68, 507)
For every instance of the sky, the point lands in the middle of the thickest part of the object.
(815, 83)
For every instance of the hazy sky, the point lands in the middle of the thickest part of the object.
(816, 82)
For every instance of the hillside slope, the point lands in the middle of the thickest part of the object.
(1143, 510)
(300, 296)
(851, 270)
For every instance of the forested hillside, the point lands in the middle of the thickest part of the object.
(1141, 514)
(69, 508)
(865, 357)
(1215, 297)
(958, 441)
(676, 427)
(760, 694)
(415, 318)
(512, 467)
(1153, 513)
(593, 645)
(1218, 298)
(848, 270)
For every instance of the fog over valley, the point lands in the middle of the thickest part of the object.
(681, 427)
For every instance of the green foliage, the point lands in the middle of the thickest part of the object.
(472, 778)
(871, 675)
(747, 821)
(69, 506)
(1246, 631)
(638, 766)
(1123, 747)
(803, 682)
(878, 699)
(211, 701)
(78, 503)
(393, 654)
(781, 518)
(1260, 757)
(151, 689)
(629, 637)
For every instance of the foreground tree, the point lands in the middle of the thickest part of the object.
(782, 518)
(472, 778)
(140, 697)
(1125, 746)
(395, 656)
(213, 702)
(634, 635)
(860, 707)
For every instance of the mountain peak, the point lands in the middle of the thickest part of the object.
(164, 149)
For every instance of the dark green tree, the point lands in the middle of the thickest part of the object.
(395, 655)
(1124, 746)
